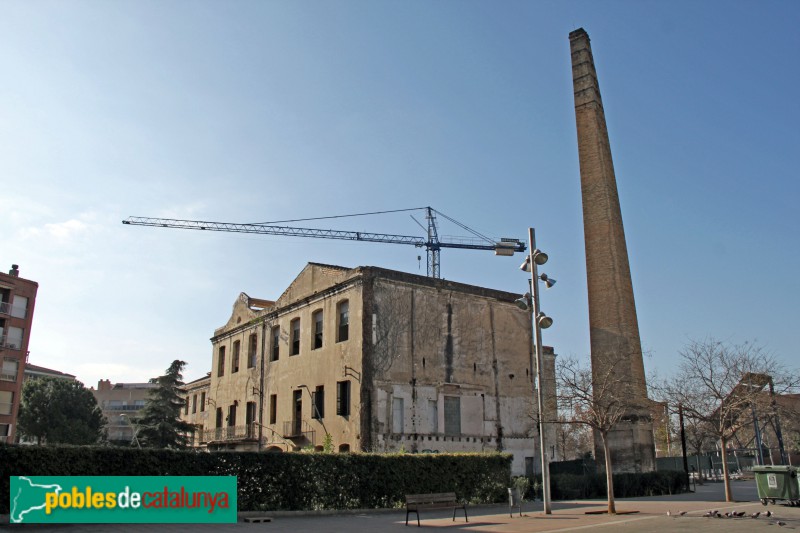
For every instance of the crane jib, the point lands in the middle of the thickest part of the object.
(433, 244)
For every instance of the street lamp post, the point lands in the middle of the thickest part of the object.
(539, 321)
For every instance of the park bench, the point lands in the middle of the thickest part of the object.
(442, 500)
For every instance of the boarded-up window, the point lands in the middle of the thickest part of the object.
(452, 415)
(397, 415)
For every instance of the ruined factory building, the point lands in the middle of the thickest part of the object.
(377, 360)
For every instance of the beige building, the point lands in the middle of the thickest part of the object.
(120, 403)
(196, 409)
(379, 360)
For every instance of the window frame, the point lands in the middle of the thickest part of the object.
(275, 352)
(343, 321)
(343, 398)
(318, 328)
(221, 361)
(294, 328)
(236, 351)
(252, 350)
(318, 403)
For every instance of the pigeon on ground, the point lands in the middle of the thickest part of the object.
(738, 514)
(669, 513)
(780, 523)
(682, 513)
(755, 515)
(769, 513)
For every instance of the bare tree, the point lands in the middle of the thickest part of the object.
(573, 441)
(599, 401)
(718, 383)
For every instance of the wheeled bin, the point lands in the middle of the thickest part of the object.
(776, 483)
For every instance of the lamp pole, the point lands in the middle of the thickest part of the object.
(537, 338)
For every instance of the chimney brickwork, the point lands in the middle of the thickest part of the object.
(614, 329)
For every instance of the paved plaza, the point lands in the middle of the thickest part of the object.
(645, 514)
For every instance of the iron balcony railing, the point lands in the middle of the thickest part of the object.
(297, 429)
(8, 308)
(231, 433)
(123, 407)
(14, 344)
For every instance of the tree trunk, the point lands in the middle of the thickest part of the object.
(726, 478)
(609, 474)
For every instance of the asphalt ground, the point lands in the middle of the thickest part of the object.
(634, 514)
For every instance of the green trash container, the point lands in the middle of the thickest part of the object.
(777, 483)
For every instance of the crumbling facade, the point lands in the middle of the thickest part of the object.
(369, 359)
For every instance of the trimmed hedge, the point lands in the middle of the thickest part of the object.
(590, 486)
(280, 481)
(581, 487)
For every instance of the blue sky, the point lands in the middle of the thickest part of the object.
(260, 111)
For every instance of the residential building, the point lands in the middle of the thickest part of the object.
(371, 359)
(121, 403)
(39, 372)
(198, 405)
(17, 299)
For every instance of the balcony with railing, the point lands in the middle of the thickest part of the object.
(298, 430)
(17, 311)
(248, 432)
(10, 342)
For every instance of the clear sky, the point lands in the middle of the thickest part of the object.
(260, 111)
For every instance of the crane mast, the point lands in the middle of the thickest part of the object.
(432, 244)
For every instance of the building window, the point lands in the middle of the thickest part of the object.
(202, 402)
(232, 415)
(295, 337)
(219, 417)
(194, 404)
(317, 343)
(14, 338)
(235, 357)
(273, 408)
(252, 347)
(221, 362)
(343, 398)
(5, 430)
(10, 369)
(276, 346)
(433, 413)
(250, 414)
(6, 402)
(397, 415)
(19, 309)
(452, 415)
(186, 406)
(318, 403)
(343, 319)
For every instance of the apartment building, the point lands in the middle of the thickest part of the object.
(17, 299)
(370, 359)
(121, 403)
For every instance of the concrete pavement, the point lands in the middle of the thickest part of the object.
(647, 514)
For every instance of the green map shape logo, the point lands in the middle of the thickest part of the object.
(29, 498)
(122, 499)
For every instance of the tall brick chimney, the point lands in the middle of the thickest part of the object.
(613, 327)
(14, 271)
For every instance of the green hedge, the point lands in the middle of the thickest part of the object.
(280, 481)
(590, 486)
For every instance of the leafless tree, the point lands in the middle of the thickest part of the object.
(718, 383)
(573, 441)
(598, 401)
